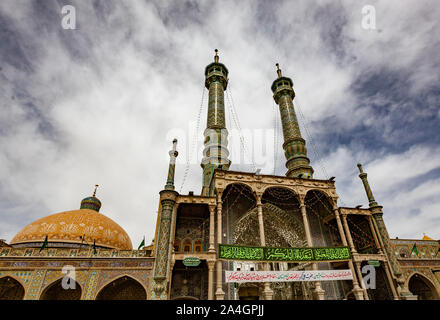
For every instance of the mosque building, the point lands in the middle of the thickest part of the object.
(243, 224)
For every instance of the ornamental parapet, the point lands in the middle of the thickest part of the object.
(72, 253)
(196, 199)
(354, 211)
(261, 182)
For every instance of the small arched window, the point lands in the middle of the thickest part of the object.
(187, 245)
(198, 245)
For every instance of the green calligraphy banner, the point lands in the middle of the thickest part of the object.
(233, 252)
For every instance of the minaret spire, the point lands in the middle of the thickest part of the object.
(384, 237)
(297, 162)
(363, 176)
(96, 187)
(215, 153)
(173, 155)
(216, 56)
(278, 70)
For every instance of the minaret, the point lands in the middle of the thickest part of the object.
(294, 145)
(173, 155)
(379, 224)
(163, 242)
(215, 153)
(370, 196)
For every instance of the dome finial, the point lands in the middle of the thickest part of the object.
(278, 70)
(96, 187)
(216, 55)
(92, 202)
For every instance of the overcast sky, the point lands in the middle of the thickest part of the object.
(101, 103)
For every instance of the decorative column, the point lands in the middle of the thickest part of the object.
(384, 237)
(219, 293)
(354, 254)
(211, 248)
(267, 292)
(357, 291)
(347, 231)
(381, 250)
(373, 231)
(297, 162)
(318, 292)
(172, 263)
(163, 244)
(215, 153)
(211, 264)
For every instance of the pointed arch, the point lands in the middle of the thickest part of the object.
(324, 192)
(55, 291)
(124, 287)
(230, 184)
(11, 289)
(268, 188)
(422, 286)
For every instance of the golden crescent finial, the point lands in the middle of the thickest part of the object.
(278, 70)
(96, 187)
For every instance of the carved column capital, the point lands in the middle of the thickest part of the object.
(210, 263)
(334, 201)
(258, 197)
(211, 208)
(301, 199)
(170, 195)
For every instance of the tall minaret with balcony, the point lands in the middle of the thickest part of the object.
(297, 162)
(215, 153)
(162, 249)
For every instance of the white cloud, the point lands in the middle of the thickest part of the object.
(110, 95)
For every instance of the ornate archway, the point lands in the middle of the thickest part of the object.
(11, 289)
(189, 282)
(324, 233)
(250, 291)
(283, 227)
(123, 288)
(422, 287)
(55, 291)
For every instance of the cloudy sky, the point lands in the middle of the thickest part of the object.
(100, 104)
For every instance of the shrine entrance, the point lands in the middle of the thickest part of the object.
(55, 291)
(124, 288)
(249, 292)
(11, 289)
(189, 283)
(422, 287)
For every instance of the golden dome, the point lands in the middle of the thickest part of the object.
(70, 226)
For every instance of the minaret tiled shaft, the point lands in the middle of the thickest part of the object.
(215, 153)
(363, 177)
(173, 155)
(298, 164)
(163, 241)
(382, 232)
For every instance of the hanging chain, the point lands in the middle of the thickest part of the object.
(319, 159)
(230, 101)
(194, 141)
